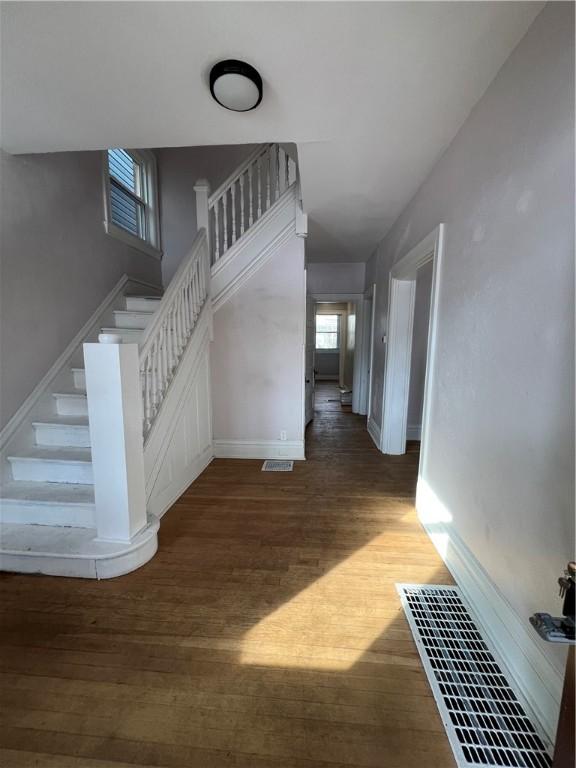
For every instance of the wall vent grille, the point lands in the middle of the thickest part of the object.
(485, 723)
(275, 465)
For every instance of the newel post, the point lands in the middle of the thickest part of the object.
(202, 189)
(115, 417)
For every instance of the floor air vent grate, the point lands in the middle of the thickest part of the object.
(275, 465)
(485, 723)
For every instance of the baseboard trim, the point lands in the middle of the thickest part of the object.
(414, 432)
(259, 449)
(374, 431)
(536, 682)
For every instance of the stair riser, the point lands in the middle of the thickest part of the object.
(47, 471)
(79, 377)
(131, 320)
(128, 336)
(64, 436)
(72, 406)
(140, 304)
(33, 513)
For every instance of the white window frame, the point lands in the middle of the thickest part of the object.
(333, 350)
(150, 245)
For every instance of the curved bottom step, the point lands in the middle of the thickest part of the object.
(74, 552)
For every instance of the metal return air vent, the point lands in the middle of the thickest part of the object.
(485, 723)
(275, 465)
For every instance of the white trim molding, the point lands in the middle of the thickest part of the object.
(259, 449)
(374, 431)
(151, 244)
(536, 682)
(402, 290)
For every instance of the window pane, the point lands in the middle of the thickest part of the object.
(126, 212)
(327, 323)
(326, 340)
(123, 169)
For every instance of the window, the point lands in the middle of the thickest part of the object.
(328, 332)
(131, 209)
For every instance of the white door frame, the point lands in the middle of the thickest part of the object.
(358, 300)
(367, 351)
(402, 290)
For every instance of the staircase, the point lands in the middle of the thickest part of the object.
(51, 482)
(118, 429)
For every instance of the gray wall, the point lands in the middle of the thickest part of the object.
(57, 262)
(178, 170)
(257, 361)
(419, 345)
(333, 277)
(501, 430)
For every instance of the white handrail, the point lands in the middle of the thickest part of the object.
(165, 339)
(246, 195)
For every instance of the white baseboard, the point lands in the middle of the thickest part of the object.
(259, 449)
(536, 682)
(374, 431)
(413, 432)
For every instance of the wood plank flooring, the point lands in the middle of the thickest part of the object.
(266, 633)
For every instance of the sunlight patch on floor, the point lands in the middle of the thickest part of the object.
(311, 632)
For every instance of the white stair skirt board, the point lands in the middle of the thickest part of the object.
(259, 449)
(76, 552)
(484, 720)
(527, 666)
(66, 504)
(277, 465)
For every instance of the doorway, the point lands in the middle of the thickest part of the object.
(399, 360)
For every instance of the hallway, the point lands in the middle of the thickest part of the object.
(266, 633)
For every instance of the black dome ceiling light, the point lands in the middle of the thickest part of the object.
(236, 85)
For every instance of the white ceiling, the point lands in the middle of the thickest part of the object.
(372, 93)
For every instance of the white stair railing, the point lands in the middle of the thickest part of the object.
(246, 195)
(167, 336)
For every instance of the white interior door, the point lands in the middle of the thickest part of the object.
(309, 364)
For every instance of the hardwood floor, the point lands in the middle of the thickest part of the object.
(266, 633)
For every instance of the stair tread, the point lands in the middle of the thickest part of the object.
(118, 329)
(139, 296)
(134, 312)
(47, 493)
(54, 453)
(71, 393)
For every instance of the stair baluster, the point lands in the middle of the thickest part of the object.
(241, 182)
(244, 197)
(250, 197)
(233, 205)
